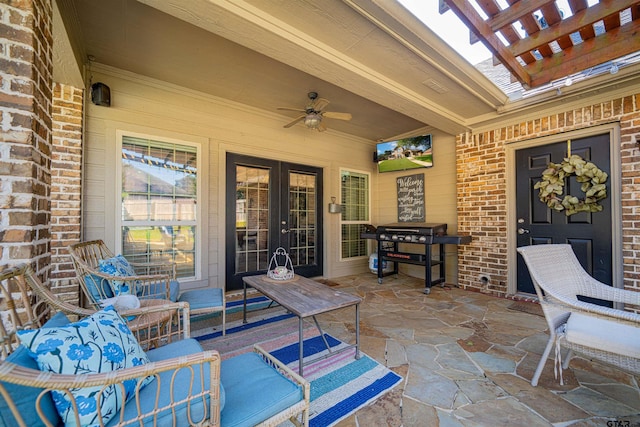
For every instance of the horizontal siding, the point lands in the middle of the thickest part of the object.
(150, 107)
(440, 201)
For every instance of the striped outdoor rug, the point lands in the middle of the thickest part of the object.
(340, 384)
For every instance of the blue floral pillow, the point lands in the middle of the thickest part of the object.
(100, 343)
(117, 266)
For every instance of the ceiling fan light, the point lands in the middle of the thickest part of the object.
(312, 120)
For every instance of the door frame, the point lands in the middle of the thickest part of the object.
(615, 179)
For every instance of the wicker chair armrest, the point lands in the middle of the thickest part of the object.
(152, 268)
(148, 286)
(159, 322)
(596, 289)
(595, 310)
(49, 298)
(145, 286)
(15, 374)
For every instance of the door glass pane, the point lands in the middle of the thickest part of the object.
(302, 218)
(252, 219)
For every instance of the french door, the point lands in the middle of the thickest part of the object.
(271, 204)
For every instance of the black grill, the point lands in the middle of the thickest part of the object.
(410, 232)
(391, 235)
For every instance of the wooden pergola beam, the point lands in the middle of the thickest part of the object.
(514, 12)
(474, 21)
(613, 44)
(570, 25)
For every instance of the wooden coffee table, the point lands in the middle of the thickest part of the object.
(305, 298)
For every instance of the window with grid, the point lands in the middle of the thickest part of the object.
(159, 203)
(354, 198)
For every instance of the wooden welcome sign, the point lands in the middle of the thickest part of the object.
(411, 198)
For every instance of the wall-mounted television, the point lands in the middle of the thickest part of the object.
(406, 153)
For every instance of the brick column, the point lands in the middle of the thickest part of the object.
(65, 187)
(25, 133)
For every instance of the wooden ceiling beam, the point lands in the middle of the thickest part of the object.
(491, 8)
(585, 17)
(514, 12)
(611, 45)
(611, 22)
(552, 16)
(586, 32)
(531, 26)
(474, 21)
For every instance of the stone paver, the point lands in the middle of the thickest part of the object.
(467, 360)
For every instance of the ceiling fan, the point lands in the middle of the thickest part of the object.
(313, 113)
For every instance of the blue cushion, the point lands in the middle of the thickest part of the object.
(202, 298)
(182, 382)
(117, 266)
(102, 343)
(156, 289)
(58, 319)
(93, 284)
(254, 391)
(25, 397)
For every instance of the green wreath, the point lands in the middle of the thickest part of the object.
(553, 180)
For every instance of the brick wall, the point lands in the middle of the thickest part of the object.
(482, 196)
(66, 160)
(25, 133)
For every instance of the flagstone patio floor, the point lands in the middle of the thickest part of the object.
(467, 360)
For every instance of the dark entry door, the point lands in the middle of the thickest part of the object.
(271, 204)
(590, 234)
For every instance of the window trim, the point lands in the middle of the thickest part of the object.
(343, 222)
(201, 275)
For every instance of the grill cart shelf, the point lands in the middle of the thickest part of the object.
(425, 234)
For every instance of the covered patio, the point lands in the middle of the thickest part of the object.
(86, 83)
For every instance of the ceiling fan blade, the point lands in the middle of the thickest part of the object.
(297, 110)
(321, 127)
(319, 104)
(339, 116)
(299, 119)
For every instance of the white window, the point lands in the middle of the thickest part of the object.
(159, 202)
(354, 198)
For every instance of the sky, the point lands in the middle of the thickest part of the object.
(449, 28)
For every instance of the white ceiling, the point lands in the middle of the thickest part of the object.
(371, 58)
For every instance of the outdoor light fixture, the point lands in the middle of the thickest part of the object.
(101, 94)
(312, 120)
(334, 207)
(568, 82)
(613, 69)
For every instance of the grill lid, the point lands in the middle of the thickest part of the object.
(418, 228)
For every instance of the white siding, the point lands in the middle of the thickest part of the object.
(150, 107)
(440, 200)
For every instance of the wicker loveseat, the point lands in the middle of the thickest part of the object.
(179, 385)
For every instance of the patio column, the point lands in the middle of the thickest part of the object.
(25, 133)
(66, 186)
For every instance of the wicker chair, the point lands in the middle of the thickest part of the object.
(157, 281)
(185, 390)
(606, 334)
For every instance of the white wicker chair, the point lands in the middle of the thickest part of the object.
(155, 280)
(606, 334)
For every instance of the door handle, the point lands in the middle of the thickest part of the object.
(522, 230)
(284, 231)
